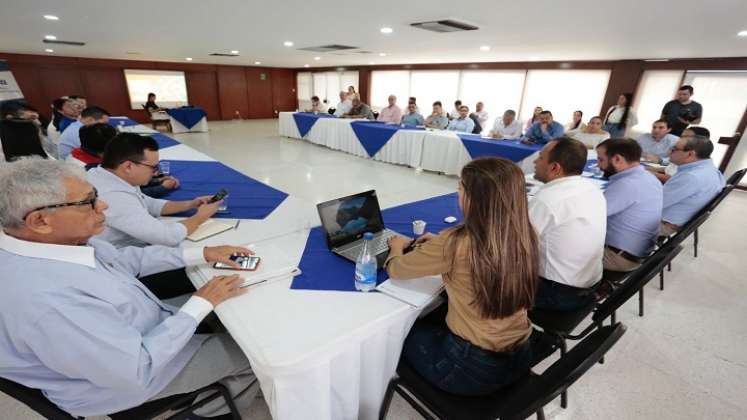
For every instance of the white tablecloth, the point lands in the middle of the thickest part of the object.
(177, 127)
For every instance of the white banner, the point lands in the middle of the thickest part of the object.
(8, 87)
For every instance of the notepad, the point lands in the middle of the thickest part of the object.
(210, 228)
(417, 292)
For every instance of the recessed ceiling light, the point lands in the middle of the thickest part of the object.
(49, 50)
(256, 63)
(317, 58)
(742, 33)
(50, 37)
(288, 43)
(485, 48)
(51, 17)
(534, 58)
(188, 58)
(234, 51)
(306, 65)
(382, 54)
(371, 63)
(386, 30)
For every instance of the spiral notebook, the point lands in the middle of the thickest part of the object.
(416, 292)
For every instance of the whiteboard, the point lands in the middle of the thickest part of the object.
(170, 87)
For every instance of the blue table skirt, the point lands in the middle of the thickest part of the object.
(188, 116)
(512, 150)
(247, 197)
(306, 120)
(374, 135)
(322, 270)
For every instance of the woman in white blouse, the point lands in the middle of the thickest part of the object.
(576, 124)
(620, 117)
(592, 134)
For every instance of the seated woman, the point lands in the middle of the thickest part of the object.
(21, 138)
(592, 135)
(489, 267)
(151, 105)
(576, 124)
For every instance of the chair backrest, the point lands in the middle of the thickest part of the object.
(736, 177)
(719, 198)
(34, 399)
(689, 228)
(563, 373)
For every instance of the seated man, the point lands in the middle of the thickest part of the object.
(77, 324)
(343, 107)
(70, 138)
(359, 110)
(391, 114)
(317, 106)
(658, 144)
(437, 119)
(634, 198)
(69, 112)
(695, 184)
(570, 216)
(412, 117)
(506, 127)
(132, 218)
(93, 141)
(464, 123)
(543, 130)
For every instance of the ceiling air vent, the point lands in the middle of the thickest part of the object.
(448, 25)
(223, 55)
(74, 43)
(328, 48)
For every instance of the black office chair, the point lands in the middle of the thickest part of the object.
(184, 403)
(526, 397)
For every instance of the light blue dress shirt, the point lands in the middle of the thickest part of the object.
(661, 148)
(634, 203)
(535, 133)
(132, 217)
(690, 189)
(77, 324)
(439, 121)
(463, 126)
(69, 139)
(413, 119)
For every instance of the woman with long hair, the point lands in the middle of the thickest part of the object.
(620, 117)
(576, 124)
(21, 138)
(535, 117)
(489, 267)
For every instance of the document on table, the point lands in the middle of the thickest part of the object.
(210, 228)
(417, 292)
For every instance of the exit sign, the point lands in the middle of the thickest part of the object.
(263, 76)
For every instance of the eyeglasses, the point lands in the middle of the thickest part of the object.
(89, 201)
(676, 149)
(154, 168)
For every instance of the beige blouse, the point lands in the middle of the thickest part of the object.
(463, 317)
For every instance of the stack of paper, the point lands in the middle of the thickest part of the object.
(210, 228)
(416, 292)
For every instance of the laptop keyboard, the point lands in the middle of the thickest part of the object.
(379, 244)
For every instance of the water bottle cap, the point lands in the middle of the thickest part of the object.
(367, 236)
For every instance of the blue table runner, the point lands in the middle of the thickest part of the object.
(306, 120)
(374, 135)
(512, 150)
(188, 116)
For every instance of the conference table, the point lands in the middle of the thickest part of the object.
(428, 149)
(187, 120)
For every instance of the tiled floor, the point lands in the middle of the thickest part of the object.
(685, 359)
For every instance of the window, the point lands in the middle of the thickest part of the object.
(498, 90)
(723, 95)
(564, 91)
(320, 85)
(170, 87)
(347, 78)
(325, 85)
(656, 88)
(304, 86)
(430, 86)
(385, 83)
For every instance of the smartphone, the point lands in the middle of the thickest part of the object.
(220, 195)
(247, 263)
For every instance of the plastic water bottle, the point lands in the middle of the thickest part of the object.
(365, 266)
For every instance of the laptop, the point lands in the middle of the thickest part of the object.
(346, 219)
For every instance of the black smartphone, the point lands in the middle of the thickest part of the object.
(247, 263)
(220, 195)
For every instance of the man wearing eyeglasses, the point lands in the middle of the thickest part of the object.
(696, 182)
(75, 322)
(129, 162)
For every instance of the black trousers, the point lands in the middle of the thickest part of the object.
(168, 284)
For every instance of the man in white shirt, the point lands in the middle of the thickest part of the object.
(344, 106)
(391, 114)
(506, 127)
(570, 215)
(129, 162)
(482, 114)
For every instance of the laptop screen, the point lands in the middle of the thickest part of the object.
(346, 219)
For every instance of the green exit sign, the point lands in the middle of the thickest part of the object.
(263, 76)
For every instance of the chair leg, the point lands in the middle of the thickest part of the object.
(661, 280)
(669, 266)
(387, 399)
(564, 394)
(695, 243)
(613, 318)
(541, 414)
(640, 302)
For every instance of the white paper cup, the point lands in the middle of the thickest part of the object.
(418, 227)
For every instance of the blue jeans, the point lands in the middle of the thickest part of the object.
(560, 297)
(455, 365)
(615, 133)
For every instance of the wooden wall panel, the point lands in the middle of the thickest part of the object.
(259, 92)
(232, 90)
(284, 90)
(623, 79)
(59, 81)
(106, 87)
(28, 79)
(202, 89)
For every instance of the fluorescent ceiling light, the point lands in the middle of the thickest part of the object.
(49, 50)
(742, 33)
(317, 58)
(234, 51)
(484, 48)
(386, 30)
(306, 65)
(256, 63)
(382, 54)
(288, 43)
(188, 58)
(50, 37)
(51, 17)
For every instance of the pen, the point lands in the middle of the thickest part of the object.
(237, 224)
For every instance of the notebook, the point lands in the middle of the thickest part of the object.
(210, 228)
(417, 292)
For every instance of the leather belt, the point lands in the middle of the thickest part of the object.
(627, 255)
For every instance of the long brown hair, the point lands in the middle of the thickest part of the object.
(502, 244)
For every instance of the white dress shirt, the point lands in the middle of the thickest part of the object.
(512, 131)
(132, 217)
(343, 108)
(482, 116)
(78, 325)
(570, 216)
